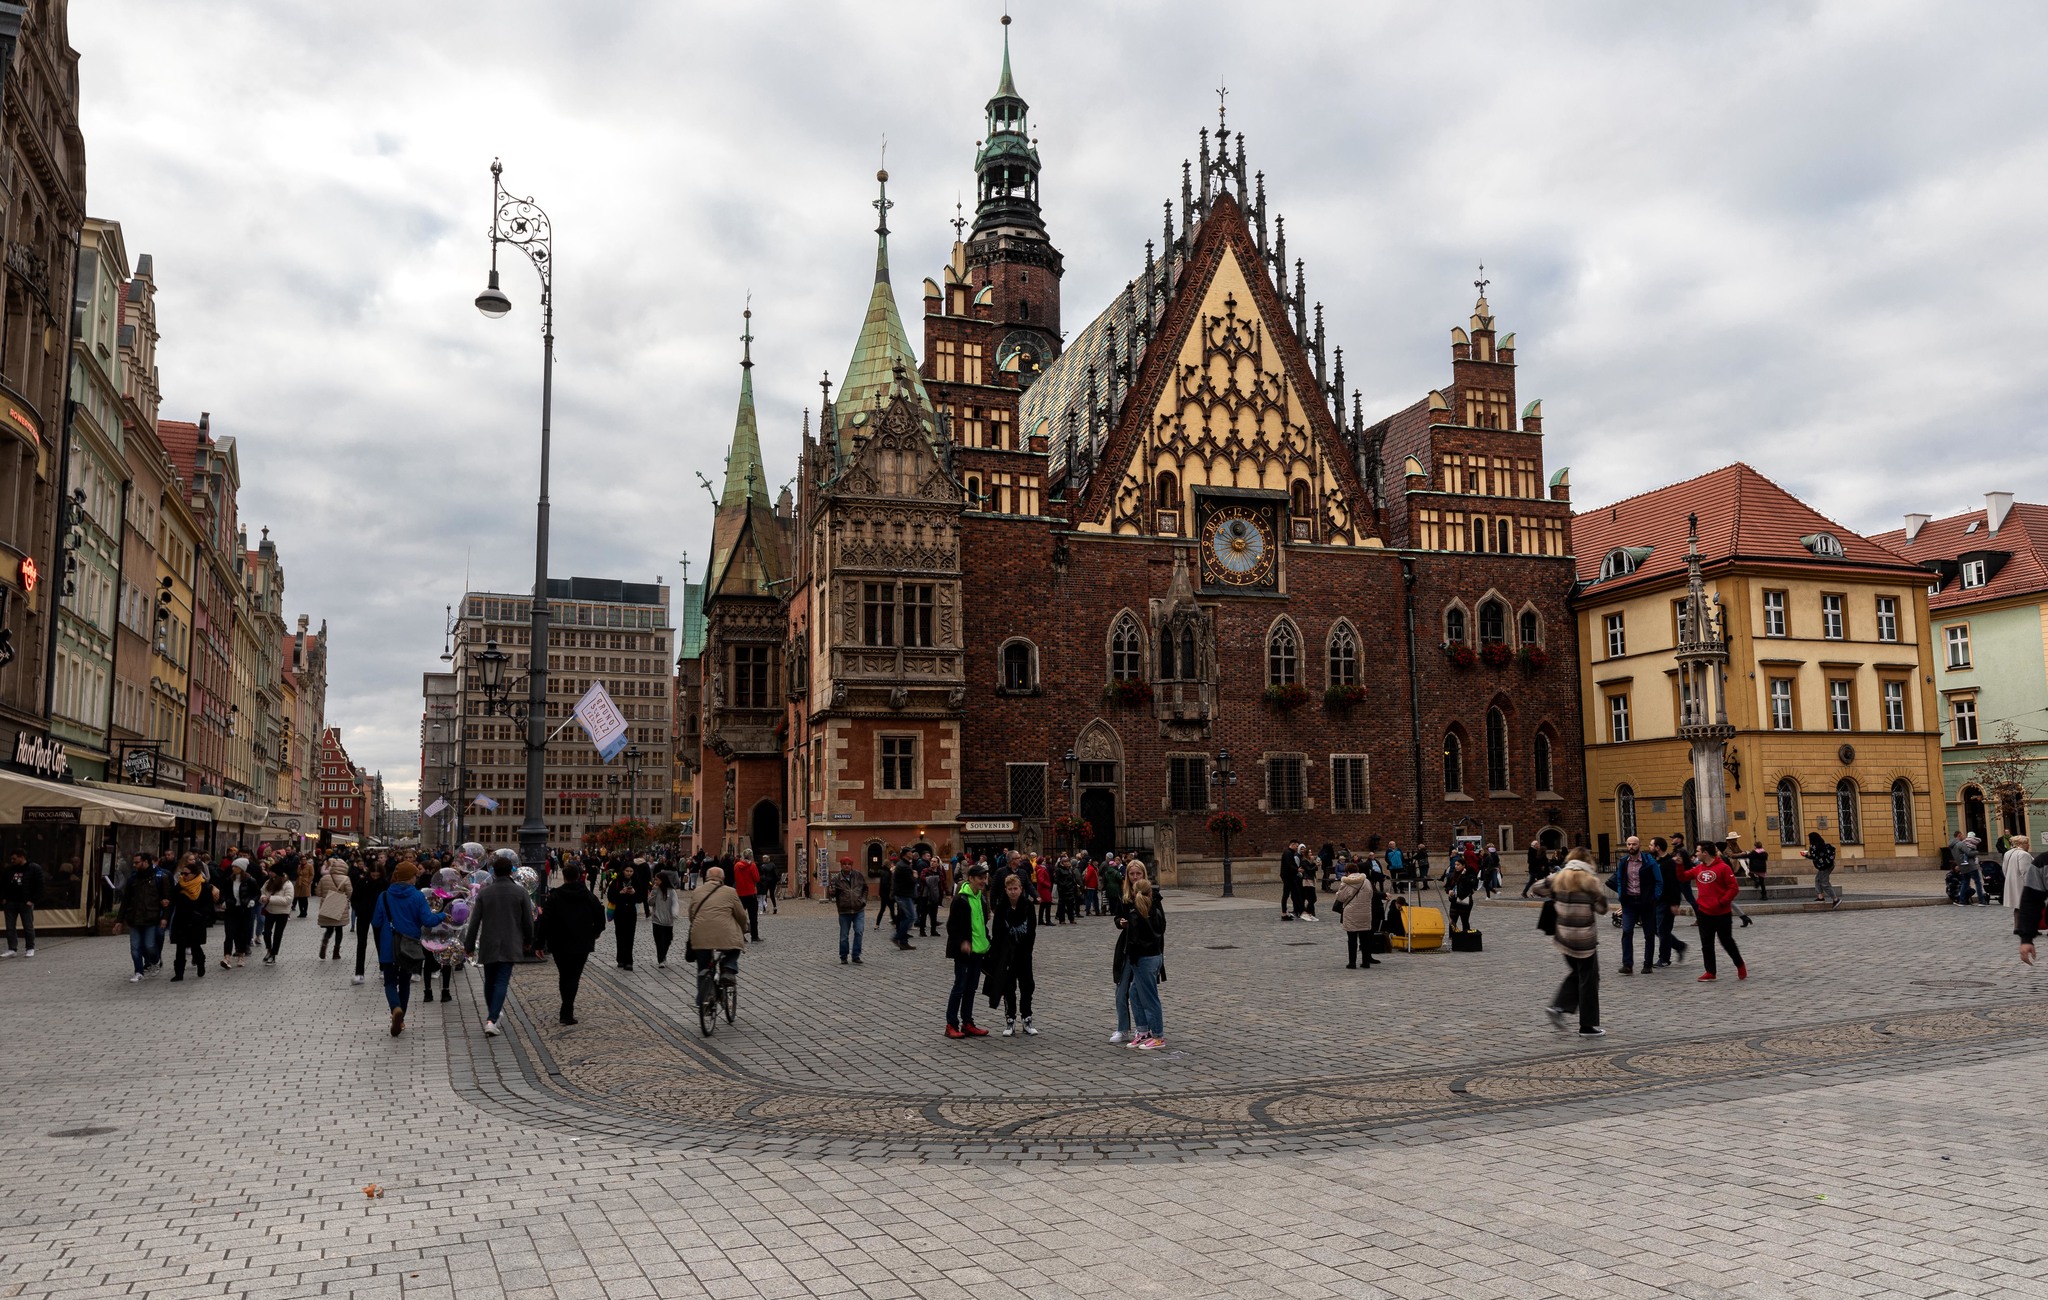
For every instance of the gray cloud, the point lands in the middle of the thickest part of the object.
(1801, 235)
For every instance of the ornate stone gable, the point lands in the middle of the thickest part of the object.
(886, 547)
(1228, 404)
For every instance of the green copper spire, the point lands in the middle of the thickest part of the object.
(882, 358)
(1008, 88)
(746, 483)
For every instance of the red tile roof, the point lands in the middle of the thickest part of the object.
(181, 440)
(1743, 516)
(2023, 536)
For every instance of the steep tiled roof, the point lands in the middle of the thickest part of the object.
(2023, 536)
(882, 358)
(181, 441)
(1063, 387)
(1743, 516)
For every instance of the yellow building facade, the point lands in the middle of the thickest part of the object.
(1830, 675)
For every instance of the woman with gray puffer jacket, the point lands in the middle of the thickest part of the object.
(1575, 900)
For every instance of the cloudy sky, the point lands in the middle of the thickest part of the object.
(1805, 235)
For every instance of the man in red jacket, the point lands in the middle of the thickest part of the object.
(746, 882)
(1713, 884)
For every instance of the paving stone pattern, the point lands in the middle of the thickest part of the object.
(248, 1111)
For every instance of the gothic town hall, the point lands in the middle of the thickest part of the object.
(1025, 584)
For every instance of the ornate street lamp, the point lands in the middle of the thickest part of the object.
(490, 662)
(1225, 778)
(1071, 763)
(520, 223)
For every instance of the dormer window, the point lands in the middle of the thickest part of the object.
(1975, 573)
(1826, 545)
(1622, 561)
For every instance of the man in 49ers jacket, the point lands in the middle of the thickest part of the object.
(1713, 886)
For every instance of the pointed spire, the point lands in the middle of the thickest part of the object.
(882, 356)
(745, 482)
(1008, 87)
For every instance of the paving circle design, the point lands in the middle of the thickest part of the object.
(629, 1070)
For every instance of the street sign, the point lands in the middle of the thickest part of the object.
(49, 816)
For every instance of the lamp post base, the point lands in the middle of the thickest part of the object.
(1229, 887)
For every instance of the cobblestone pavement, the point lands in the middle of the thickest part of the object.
(213, 1138)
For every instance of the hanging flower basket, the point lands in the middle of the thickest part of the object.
(1343, 697)
(1074, 828)
(1534, 658)
(1224, 824)
(1496, 654)
(1461, 655)
(1283, 698)
(1128, 691)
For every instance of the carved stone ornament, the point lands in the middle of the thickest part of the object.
(899, 697)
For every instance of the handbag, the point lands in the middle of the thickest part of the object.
(1546, 920)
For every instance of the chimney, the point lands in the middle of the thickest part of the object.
(1997, 505)
(1914, 523)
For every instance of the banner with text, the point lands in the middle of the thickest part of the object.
(602, 721)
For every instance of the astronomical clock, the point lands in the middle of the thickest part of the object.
(1240, 544)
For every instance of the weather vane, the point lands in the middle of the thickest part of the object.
(959, 219)
(1222, 95)
(1481, 283)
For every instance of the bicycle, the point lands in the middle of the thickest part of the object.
(725, 996)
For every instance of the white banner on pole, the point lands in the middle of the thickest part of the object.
(435, 809)
(602, 721)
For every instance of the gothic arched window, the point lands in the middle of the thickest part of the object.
(1493, 622)
(1283, 656)
(1343, 656)
(1454, 625)
(1542, 764)
(1126, 651)
(1625, 810)
(1169, 491)
(1496, 749)
(1298, 498)
(1454, 763)
(1532, 628)
(1018, 670)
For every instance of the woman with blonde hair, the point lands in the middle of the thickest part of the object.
(1139, 962)
(1573, 899)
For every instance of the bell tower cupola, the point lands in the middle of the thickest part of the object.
(1007, 251)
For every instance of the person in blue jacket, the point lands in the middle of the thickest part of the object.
(402, 918)
(1639, 883)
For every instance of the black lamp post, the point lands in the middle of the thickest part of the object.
(1225, 778)
(520, 223)
(632, 781)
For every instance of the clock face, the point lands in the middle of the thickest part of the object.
(1240, 546)
(1030, 354)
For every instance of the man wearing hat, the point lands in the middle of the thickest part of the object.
(849, 893)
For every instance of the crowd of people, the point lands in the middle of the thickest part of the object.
(433, 913)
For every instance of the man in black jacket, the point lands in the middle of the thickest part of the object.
(625, 896)
(21, 887)
(569, 929)
(903, 888)
(1290, 883)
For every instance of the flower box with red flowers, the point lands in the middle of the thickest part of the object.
(1461, 655)
(1289, 696)
(1343, 697)
(1074, 828)
(1128, 690)
(1496, 654)
(1534, 657)
(1224, 824)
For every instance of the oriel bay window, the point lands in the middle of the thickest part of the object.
(878, 613)
(750, 668)
(880, 624)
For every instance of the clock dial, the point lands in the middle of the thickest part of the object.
(1240, 545)
(1029, 352)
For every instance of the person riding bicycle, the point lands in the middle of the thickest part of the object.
(718, 930)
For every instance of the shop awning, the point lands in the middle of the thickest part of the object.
(28, 798)
(195, 807)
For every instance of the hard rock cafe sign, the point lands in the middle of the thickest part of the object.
(41, 755)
